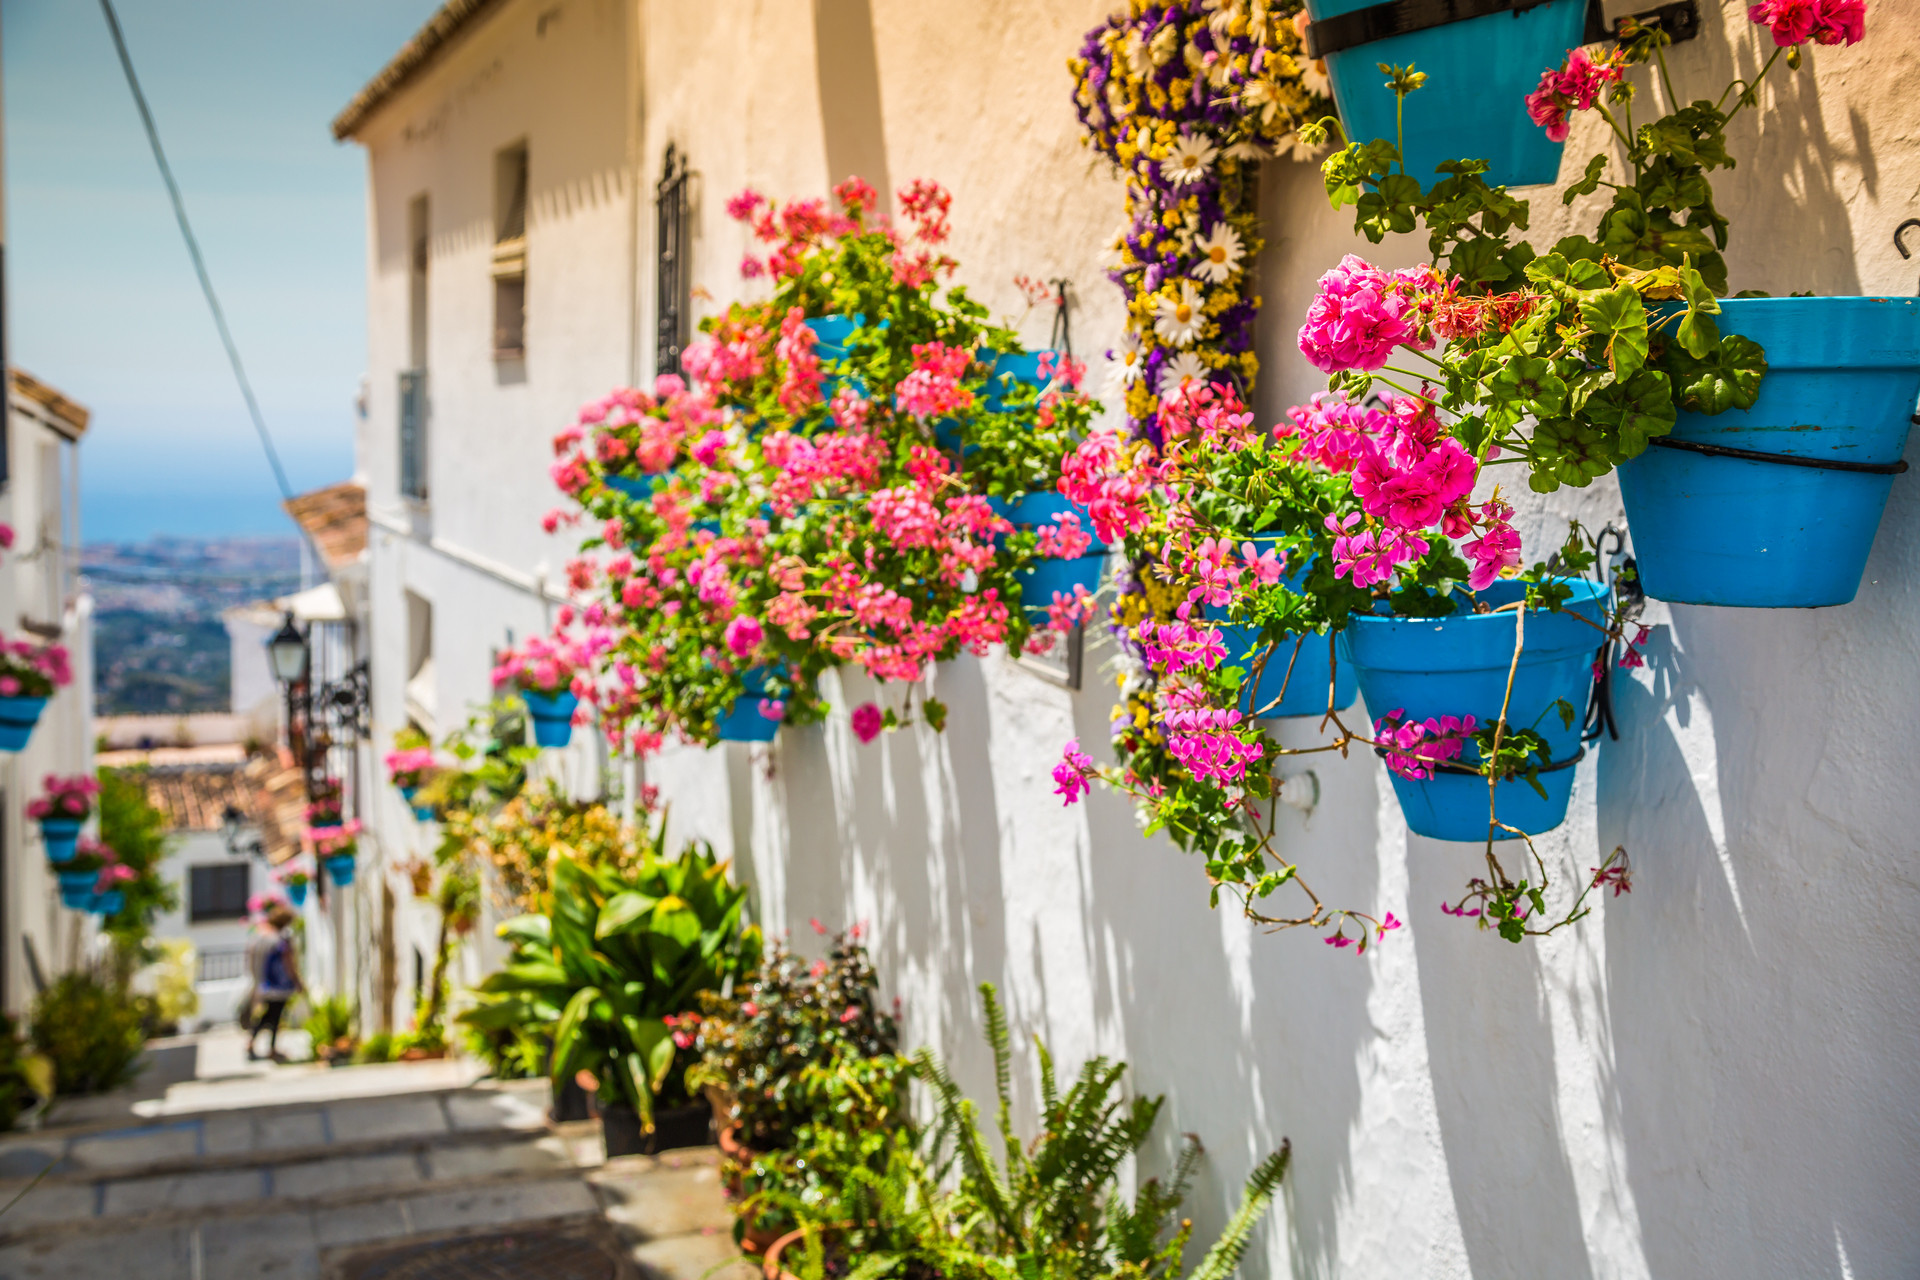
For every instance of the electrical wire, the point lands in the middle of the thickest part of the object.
(193, 250)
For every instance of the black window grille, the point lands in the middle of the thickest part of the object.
(413, 433)
(673, 269)
(218, 892)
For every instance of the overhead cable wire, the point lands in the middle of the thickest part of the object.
(193, 250)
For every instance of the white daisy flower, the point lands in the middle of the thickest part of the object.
(1134, 50)
(1220, 253)
(1247, 150)
(1189, 161)
(1177, 319)
(1314, 78)
(1124, 369)
(1178, 372)
(1114, 256)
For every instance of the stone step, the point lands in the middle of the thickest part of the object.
(666, 1213)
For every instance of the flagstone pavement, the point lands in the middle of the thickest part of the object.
(216, 1169)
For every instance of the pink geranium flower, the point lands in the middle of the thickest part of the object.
(867, 722)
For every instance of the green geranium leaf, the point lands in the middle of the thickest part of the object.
(1618, 318)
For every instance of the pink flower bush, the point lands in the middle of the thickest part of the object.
(1359, 315)
(409, 767)
(33, 671)
(65, 797)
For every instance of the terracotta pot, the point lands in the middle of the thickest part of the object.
(770, 1265)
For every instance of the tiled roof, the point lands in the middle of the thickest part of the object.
(336, 519)
(414, 57)
(268, 789)
(195, 796)
(279, 804)
(71, 418)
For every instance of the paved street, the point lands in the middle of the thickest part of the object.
(409, 1169)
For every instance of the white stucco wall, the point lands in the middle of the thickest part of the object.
(39, 583)
(1712, 1077)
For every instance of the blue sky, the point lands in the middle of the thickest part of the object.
(102, 301)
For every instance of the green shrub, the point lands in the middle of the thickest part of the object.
(377, 1047)
(91, 1030)
(616, 955)
(331, 1022)
(26, 1078)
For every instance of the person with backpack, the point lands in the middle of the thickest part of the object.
(276, 980)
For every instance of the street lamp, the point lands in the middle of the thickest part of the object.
(287, 653)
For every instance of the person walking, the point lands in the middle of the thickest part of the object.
(277, 980)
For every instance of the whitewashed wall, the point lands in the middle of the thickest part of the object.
(1713, 1077)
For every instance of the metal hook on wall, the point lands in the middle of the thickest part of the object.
(1899, 241)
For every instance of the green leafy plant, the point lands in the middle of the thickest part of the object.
(1052, 1207)
(801, 1068)
(331, 1024)
(92, 1030)
(26, 1077)
(614, 957)
(137, 833)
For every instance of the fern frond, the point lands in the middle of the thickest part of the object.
(1225, 1255)
(980, 1178)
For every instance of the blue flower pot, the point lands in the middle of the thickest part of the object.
(552, 716)
(408, 793)
(424, 813)
(61, 836)
(639, 487)
(1030, 509)
(1009, 368)
(17, 718)
(830, 337)
(1043, 578)
(1842, 377)
(1457, 665)
(297, 893)
(742, 722)
(110, 903)
(340, 869)
(76, 889)
(1473, 105)
(1306, 688)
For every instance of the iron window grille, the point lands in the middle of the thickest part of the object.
(672, 267)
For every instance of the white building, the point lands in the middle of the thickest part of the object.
(1712, 1077)
(42, 599)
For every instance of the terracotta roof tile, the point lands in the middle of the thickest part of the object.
(414, 57)
(336, 519)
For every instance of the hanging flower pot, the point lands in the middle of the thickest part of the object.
(1481, 59)
(1302, 678)
(297, 892)
(745, 721)
(18, 716)
(1045, 578)
(552, 716)
(108, 904)
(339, 868)
(1046, 507)
(60, 836)
(1419, 669)
(1776, 506)
(638, 487)
(830, 337)
(76, 889)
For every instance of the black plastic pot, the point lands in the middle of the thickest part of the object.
(570, 1103)
(673, 1128)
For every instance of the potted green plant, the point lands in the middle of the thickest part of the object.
(613, 957)
(799, 1045)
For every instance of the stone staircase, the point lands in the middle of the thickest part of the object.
(433, 1182)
